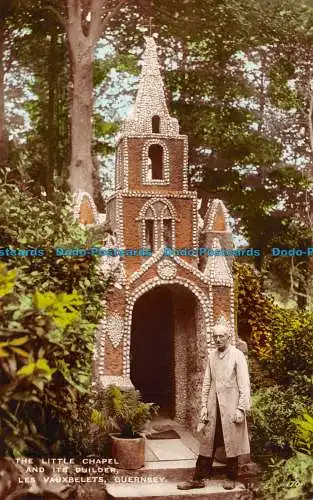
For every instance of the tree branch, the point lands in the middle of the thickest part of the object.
(98, 24)
(292, 291)
(74, 7)
(73, 10)
(58, 15)
(310, 117)
(74, 24)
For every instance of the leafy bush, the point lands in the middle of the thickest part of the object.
(34, 223)
(293, 478)
(123, 411)
(273, 427)
(82, 436)
(289, 479)
(44, 366)
(291, 347)
(280, 340)
(49, 308)
(304, 439)
(255, 311)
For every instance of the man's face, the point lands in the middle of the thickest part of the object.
(221, 337)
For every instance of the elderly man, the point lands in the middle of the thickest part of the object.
(225, 401)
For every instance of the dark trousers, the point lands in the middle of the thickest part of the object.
(204, 464)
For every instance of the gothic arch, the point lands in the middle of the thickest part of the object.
(157, 220)
(150, 203)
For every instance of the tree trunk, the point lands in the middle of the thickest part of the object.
(85, 23)
(51, 136)
(81, 120)
(3, 132)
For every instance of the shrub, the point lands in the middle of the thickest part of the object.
(293, 478)
(291, 359)
(35, 223)
(289, 479)
(304, 438)
(273, 428)
(280, 340)
(255, 311)
(44, 366)
(49, 308)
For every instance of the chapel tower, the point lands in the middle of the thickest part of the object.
(151, 206)
(159, 310)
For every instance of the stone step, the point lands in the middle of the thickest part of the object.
(169, 491)
(172, 470)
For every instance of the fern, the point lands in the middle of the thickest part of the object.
(126, 410)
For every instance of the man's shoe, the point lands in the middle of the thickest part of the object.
(229, 484)
(191, 484)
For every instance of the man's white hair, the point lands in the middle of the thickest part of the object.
(224, 323)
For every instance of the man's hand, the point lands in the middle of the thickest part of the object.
(204, 414)
(203, 419)
(201, 426)
(238, 417)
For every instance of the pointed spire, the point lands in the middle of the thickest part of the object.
(217, 268)
(150, 96)
(150, 100)
(216, 217)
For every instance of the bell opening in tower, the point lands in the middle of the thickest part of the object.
(156, 157)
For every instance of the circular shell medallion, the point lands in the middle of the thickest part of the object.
(167, 269)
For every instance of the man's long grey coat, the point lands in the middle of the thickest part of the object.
(226, 379)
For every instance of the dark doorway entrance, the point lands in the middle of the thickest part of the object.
(152, 349)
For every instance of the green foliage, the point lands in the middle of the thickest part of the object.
(274, 426)
(49, 308)
(123, 411)
(44, 365)
(281, 340)
(61, 307)
(120, 63)
(289, 479)
(8, 280)
(281, 343)
(293, 478)
(291, 349)
(83, 436)
(255, 311)
(36, 223)
(305, 433)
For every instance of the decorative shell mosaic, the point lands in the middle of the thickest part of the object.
(150, 102)
(115, 329)
(150, 99)
(167, 269)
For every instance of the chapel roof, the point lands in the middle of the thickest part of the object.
(150, 99)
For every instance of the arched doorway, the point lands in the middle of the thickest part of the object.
(168, 349)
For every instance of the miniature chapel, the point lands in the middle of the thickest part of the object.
(159, 309)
